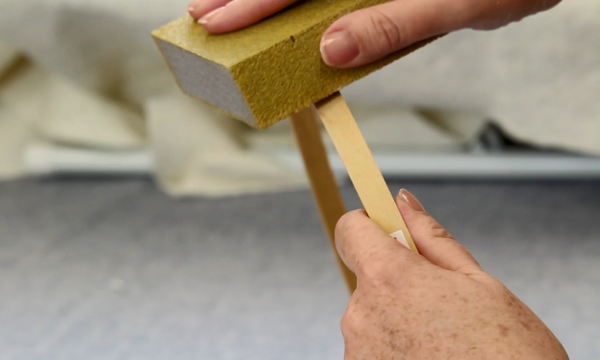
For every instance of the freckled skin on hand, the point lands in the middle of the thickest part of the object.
(415, 307)
(436, 322)
(503, 330)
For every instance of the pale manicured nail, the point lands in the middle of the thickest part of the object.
(211, 16)
(411, 200)
(339, 48)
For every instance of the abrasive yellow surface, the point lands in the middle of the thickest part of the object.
(276, 63)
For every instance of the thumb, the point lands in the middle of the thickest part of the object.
(370, 34)
(366, 249)
(432, 240)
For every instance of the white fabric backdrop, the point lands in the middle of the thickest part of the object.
(540, 79)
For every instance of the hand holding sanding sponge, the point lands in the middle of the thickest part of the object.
(268, 71)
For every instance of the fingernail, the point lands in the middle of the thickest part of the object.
(210, 16)
(411, 200)
(339, 48)
(194, 5)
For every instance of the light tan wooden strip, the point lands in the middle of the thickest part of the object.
(325, 190)
(361, 166)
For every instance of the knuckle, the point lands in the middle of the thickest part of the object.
(347, 232)
(348, 225)
(386, 34)
(461, 248)
(439, 232)
(341, 229)
(347, 324)
(344, 222)
(375, 271)
(350, 323)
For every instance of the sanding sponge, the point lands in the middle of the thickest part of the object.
(268, 71)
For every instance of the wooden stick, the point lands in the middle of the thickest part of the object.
(325, 190)
(362, 168)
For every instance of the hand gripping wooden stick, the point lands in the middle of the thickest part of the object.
(325, 190)
(362, 168)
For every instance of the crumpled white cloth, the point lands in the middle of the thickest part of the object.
(46, 118)
(98, 82)
(196, 152)
(37, 106)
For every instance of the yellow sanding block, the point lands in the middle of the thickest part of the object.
(265, 72)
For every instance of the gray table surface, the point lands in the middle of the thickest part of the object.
(114, 269)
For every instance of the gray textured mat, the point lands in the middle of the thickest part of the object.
(116, 270)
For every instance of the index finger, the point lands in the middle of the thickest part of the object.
(233, 15)
(367, 249)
